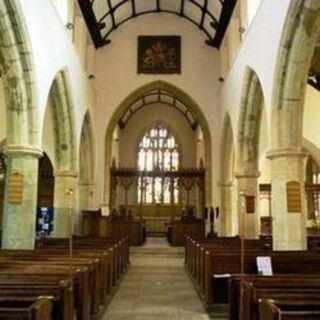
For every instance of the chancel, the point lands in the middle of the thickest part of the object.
(159, 159)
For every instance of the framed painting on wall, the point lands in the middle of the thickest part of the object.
(159, 54)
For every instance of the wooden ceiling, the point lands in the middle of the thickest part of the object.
(104, 16)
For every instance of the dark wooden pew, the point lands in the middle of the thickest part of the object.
(28, 288)
(246, 291)
(283, 262)
(289, 309)
(179, 230)
(97, 265)
(83, 290)
(30, 308)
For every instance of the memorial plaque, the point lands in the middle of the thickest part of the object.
(250, 204)
(15, 188)
(293, 196)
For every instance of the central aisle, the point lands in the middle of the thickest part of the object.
(156, 287)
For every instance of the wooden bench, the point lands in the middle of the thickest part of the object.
(30, 308)
(283, 262)
(20, 288)
(247, 290)
(97, 265)
(289, 309)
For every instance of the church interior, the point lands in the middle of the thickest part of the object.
(180, 181)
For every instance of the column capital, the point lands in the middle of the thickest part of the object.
(286, 152)
(66, 174)
(248, 175)
(12, 150)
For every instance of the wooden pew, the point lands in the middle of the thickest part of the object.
(179, 229)
(31, 308)
(283, 262)
(98, 264)
(42, 265)
(30, 287)
(289, 309)
(247, 290)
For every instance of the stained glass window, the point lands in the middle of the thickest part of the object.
(158, 152)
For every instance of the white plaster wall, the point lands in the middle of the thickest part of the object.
(48, 144)
(143, 119)
(311, 129)
(252, 7)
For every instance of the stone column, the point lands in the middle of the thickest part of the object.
(86, 190)
(65, 180)
(19, 217)
(288, 228)
(86, 199)
(248, 185)
(226, 218)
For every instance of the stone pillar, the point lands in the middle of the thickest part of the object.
(86, 199)
(288, 228)
(226, 218)
(86, 190)
(19, 216)
(65, 180)
(248, 185)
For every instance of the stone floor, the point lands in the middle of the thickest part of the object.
(156, 287)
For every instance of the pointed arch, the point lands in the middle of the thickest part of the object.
(252, 103)
(45, 182)
(294, 59)
(192, 106)
(63, 123)
(17, 72)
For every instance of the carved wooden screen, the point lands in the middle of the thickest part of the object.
(313, 189)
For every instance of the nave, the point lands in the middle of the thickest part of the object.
(156, 287)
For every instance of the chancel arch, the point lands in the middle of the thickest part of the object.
(247, 174)
(159, 152)
(184, 102)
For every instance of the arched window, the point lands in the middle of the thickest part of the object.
(158, 152)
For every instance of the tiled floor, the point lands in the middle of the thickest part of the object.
(156, 287)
